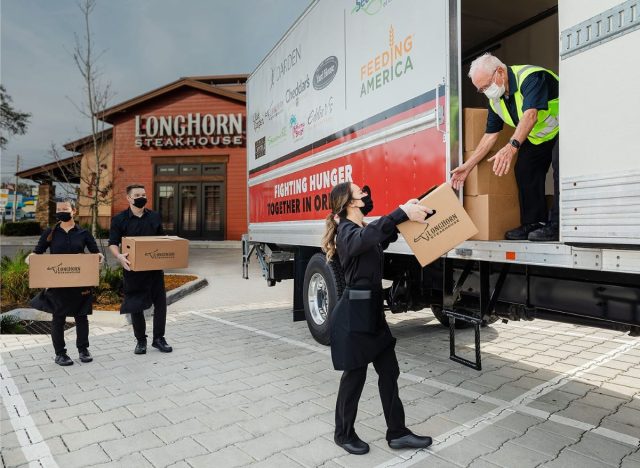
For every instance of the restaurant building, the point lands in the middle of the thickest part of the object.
(186, 142)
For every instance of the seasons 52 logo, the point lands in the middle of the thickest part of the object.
(63, 270)
(370, 7)
(387, 65)
(297, 128)
(158, 255)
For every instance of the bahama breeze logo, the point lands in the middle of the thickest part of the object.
(388, 65)
(64, 270)
(370, 7)
(297, 128)
(157, 255)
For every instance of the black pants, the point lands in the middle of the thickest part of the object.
(57, 333)
(531, 172)
(351, 385)
(159, 298)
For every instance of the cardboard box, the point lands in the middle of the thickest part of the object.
(156, 252)
(482, 180)
(446, 228)
(64, 270)
(474, 126)
(493, 215)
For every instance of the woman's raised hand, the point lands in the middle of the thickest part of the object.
(415, 211)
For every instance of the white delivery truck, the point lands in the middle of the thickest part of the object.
(372, 91)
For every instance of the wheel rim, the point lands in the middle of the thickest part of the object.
(318, 299)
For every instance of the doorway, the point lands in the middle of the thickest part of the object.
(193, 209)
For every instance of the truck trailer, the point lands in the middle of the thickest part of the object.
(372, 91)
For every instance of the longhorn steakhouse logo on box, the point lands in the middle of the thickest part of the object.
(156, 252)
(64, 270)
(446, 228)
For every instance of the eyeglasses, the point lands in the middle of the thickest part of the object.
(484, 88)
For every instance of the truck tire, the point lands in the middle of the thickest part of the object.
(322, 288)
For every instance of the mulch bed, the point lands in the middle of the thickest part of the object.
(170, 282)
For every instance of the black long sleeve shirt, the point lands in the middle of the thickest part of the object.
(360, 248)
(126, 224)
(73, 242)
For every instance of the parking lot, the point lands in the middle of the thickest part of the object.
(247, 386)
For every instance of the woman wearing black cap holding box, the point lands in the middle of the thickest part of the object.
(66, 237)
(359, 332)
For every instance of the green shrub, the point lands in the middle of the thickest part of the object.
(11, 325)
(14, 278)
(23, 228)
(110, 283)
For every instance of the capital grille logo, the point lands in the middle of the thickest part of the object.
(157, 255)
(388, 65)
(431, 233)
(64, 270)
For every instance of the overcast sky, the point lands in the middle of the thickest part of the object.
(148, 43)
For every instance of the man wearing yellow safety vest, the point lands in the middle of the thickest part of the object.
(524, 97)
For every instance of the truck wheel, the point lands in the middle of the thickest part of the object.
(323, 286)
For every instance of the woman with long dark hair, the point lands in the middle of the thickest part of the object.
(359, 331)
(66, 237)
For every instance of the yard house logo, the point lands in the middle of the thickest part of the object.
(370, 7)
(325, 73)
(190, 130)
(63, 270)
(320, 113)
(388, 65)
(283, 67)
(297, 129)
(157, 255)
(274, 140)
(430, 233)
(296, 92)
(261, 147)
(258, 121)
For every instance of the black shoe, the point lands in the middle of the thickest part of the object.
(85, 356)
(522, 232)
(161, 344)
(548, 233)
(141, 347)
(410, 441)
(355, 446)
(63, 360)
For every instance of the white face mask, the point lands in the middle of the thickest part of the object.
(494, 91)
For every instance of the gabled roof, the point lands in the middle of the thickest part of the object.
(63, 170)
(77, 145)
(217, 87)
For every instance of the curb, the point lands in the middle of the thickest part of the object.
(113, 317)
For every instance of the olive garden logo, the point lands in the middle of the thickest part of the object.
(388, 65)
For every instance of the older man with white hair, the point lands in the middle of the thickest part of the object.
(524, 97)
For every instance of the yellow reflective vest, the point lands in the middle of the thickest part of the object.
(547, 126)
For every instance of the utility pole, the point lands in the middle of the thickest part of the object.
(15, 190)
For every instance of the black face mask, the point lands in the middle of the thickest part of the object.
(368, 202)
(140, 202)
(63, 216)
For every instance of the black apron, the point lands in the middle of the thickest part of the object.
(359, 330)
(68, 302)
(137, 289)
